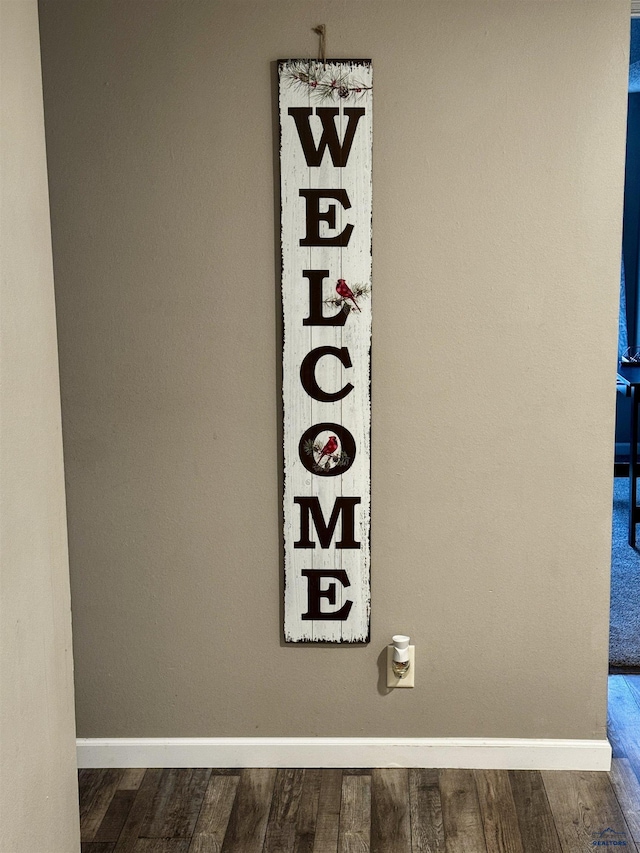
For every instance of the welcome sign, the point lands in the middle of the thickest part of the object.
(325, 174)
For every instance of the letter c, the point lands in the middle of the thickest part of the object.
(308, 373)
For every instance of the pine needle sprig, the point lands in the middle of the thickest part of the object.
(324, 85)
(310, 446)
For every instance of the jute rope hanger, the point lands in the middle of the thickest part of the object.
(321, 32)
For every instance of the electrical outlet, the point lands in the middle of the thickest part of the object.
(409, 679)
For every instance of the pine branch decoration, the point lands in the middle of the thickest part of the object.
(323, 84)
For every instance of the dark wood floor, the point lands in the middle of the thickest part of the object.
(390, 810)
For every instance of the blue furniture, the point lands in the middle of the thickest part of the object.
(627, 382)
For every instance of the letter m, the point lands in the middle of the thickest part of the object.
(329, 139)
(310, 509)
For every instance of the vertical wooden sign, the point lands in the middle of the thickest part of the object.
(325, 173)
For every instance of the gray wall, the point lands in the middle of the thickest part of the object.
(38, 784)
(498, 167)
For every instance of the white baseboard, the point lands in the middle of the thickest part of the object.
(479, 753)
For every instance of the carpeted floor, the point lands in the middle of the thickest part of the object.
(624, 642)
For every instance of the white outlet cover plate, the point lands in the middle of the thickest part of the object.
(409, 679)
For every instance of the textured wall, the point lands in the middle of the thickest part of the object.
(498, 171)
(38, 786)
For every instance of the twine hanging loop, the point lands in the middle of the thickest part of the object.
(321, 32)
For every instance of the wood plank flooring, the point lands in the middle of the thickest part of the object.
(390, 810)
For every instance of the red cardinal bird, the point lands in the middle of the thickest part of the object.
(330, 447)
(345, 291)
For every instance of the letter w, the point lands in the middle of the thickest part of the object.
(329, 139)
(310, 508)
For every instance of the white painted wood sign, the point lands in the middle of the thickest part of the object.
(325, 173)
